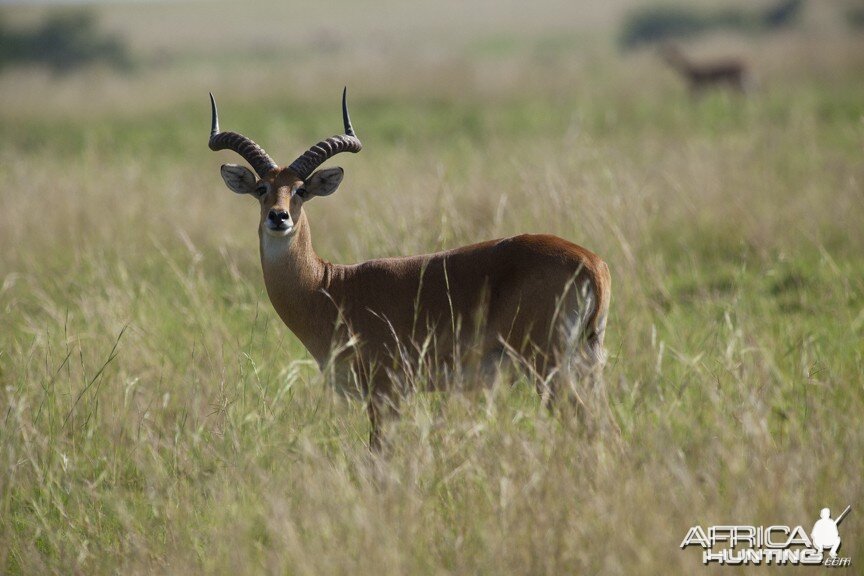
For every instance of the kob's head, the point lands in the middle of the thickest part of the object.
(282, 191)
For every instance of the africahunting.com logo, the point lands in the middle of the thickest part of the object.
(776, 545)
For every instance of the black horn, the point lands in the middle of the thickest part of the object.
(246, 147)
(304, 165)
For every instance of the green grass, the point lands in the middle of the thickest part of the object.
(157, 417)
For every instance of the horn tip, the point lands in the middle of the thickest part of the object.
(214, 126)
(346, 119)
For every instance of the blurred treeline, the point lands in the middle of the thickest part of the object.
(62, 42)
(656, 23)
(67, 39)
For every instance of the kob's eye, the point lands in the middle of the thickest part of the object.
(261, 189)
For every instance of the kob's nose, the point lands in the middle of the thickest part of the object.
(278, 216)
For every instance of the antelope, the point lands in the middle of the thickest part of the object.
(730, 73)
(537, 298)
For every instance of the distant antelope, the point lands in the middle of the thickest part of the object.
(731, 73)
(536, 297)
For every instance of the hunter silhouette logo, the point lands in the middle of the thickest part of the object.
(775, 544)
(825, 533)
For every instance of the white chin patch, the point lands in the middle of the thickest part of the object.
(275, 243)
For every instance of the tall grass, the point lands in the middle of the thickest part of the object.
(157, 417)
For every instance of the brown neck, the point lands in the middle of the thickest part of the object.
(295, 278)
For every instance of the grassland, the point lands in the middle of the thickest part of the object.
(157, 417)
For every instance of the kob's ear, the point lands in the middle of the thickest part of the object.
(321, 183)
(238, 178)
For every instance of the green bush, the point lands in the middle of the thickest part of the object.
(855, 17)
(783, 14)
(664, 22)
(63, 42)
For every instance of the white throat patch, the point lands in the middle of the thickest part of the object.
(274, 248)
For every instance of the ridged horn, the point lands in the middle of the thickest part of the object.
(304, 165)
(246, 147)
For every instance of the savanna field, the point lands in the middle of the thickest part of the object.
(156, 416)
